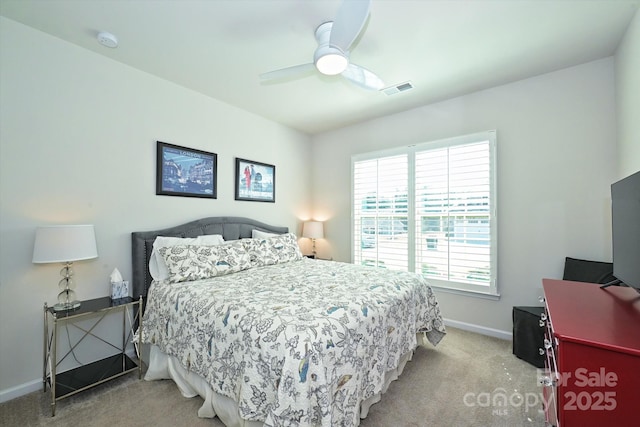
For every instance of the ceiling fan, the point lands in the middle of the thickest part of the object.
(332, 54)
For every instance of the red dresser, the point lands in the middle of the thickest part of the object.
(592, 348)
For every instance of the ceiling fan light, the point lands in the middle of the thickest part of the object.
(332, 64)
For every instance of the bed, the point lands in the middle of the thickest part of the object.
(268, 337)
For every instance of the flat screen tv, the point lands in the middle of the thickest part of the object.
(625, 217)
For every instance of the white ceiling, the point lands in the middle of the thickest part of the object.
(445, 48)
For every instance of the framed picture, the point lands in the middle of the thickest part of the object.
(255, 181)
(186, 172)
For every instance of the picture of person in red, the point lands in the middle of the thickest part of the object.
(247, 178)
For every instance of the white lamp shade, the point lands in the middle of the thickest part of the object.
(313, 230)
(64, 243)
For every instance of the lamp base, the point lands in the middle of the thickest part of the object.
(67, 298)
(71, 305)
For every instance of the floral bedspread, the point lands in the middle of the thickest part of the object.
(296, 344)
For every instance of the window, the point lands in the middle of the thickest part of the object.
(429, 208)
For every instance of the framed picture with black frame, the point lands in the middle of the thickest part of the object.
(186, 172)
(255, 181)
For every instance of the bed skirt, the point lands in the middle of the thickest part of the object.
(162, 366)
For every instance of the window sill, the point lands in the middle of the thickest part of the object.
(465, 292)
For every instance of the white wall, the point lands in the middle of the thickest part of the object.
(78, 145)
(628, 99)
(556, 146)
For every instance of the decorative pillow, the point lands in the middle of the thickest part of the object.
(189, 262)
(273, 250)
(257, 234)
(157, 266)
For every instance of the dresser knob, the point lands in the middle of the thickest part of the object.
(547, 382)
(542, 323)
(543, 316)
(541, 299)
(547, 343)
(541, 351)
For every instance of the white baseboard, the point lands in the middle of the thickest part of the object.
(20, 390)
(496, 333)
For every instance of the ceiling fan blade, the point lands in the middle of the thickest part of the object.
(289, 72)
(348, 23)
(362, 77)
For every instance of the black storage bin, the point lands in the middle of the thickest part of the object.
(528, 335)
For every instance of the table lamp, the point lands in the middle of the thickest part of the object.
(313, 230)
(65, 244)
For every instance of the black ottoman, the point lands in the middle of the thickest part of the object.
(528, 335)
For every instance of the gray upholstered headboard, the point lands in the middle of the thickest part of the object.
(231, 228)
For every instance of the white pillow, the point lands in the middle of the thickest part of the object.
(157, 265)
(257, 234)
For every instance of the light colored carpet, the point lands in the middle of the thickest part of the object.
(459, 383)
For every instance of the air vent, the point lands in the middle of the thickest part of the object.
(402, 87)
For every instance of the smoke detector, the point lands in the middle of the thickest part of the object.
(107, 39)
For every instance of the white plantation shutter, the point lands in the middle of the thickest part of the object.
(380, 212)
(430, 208)
(453, 214)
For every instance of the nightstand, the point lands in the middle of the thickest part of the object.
(67, 383)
